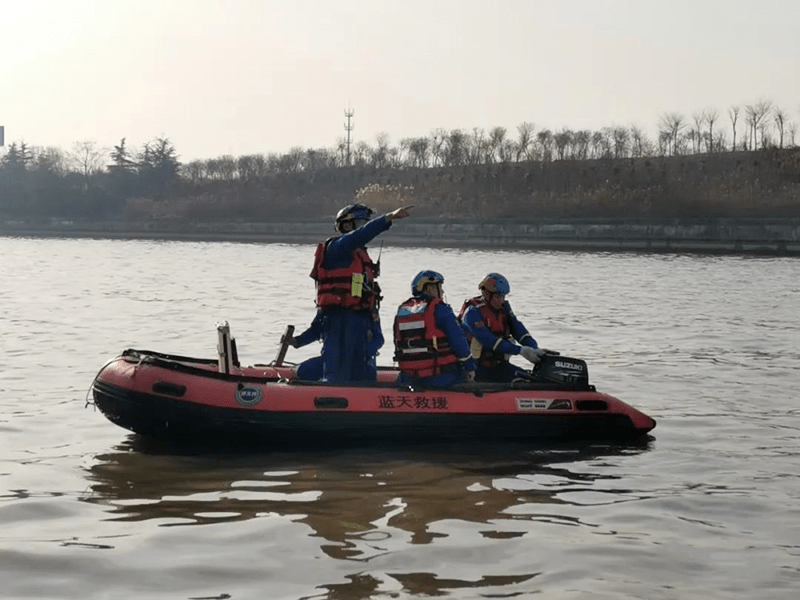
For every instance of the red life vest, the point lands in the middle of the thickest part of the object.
(496, 321)
(353, 287)
(421, 348)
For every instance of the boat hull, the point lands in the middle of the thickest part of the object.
(185, 400)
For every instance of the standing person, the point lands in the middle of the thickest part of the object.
(348, 294)
(492, 329)
(430, 346)
(311, 368)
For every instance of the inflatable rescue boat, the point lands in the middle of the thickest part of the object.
(217, 400)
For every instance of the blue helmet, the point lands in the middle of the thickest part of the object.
(422, 279)
(495, 283)
(351, 212)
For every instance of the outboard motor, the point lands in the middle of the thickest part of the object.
(563, 370)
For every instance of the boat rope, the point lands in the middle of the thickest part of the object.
(91, 387)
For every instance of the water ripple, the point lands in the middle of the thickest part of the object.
(705, 508)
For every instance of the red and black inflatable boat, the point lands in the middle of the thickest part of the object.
(178, 398)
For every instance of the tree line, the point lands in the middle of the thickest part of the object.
(752, 126)
(92, 182)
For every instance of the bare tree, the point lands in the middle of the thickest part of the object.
(260, 165)
(672, 124)
(562, 141)
(733, 113)
(756, 113)
(791, 131)
(394, 159)
(227, 167)
(341, 151)
(86, 158)
(601, 143)
(438, 146)
(50, 159)
(479, 149)
(544, 141)
(720, 141)
(418, 150)
(699, 119)
(766, 135)
(711, 115)
(664, 142)
(292, 161)
(361, 154)
(780, 122)
(497, 137)
(455, 148)
(524, 141)
(314, 160)
(638, 142)
(380, 154)
(246, 167)
(212, 169)
(273, 163)
(621, 137)
(752, 122)
(580, 144)
(507, 150)
(194, 171)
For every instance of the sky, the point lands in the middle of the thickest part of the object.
(243, 77)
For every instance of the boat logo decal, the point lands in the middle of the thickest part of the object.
(249, 396)
(544, 404)
(568, 365)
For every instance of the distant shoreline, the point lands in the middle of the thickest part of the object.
(710, 236)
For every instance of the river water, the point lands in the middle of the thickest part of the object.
(707, 507)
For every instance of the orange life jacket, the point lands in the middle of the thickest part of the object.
(421, 348)
(353, 287)
(496, 321)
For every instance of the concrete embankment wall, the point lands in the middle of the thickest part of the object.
(752, 236)
(716, 236)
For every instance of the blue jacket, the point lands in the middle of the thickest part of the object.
(339, 253)
(473, 323)
(447, 322)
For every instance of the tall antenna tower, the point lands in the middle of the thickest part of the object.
(348, 127)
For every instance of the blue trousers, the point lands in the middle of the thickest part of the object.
(311, 369)
(505, 372)
(345, 338)
(453, 375)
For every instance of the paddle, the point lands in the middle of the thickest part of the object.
(284, 346)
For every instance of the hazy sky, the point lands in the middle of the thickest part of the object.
(259, 76)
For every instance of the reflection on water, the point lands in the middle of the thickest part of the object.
(424, 585)
(366, 507)
(358, 502)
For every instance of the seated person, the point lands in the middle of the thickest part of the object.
(492, 328)
(311, 368)
(430, 346)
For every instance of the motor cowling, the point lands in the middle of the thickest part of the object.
(562, 369)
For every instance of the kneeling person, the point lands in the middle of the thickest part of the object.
(430, 346)
(311, 369)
